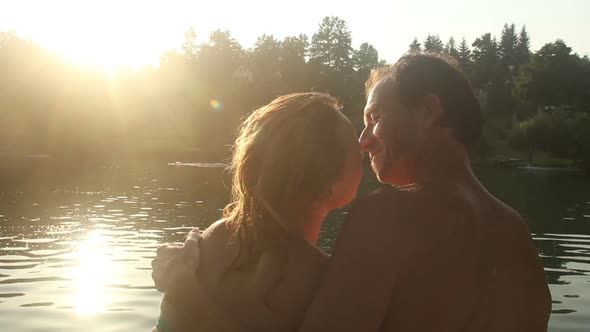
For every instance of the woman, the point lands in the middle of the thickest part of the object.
(295, 160)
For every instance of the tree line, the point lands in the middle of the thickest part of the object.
(199, 93)
(537, 101)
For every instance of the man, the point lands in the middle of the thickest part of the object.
(437, 252)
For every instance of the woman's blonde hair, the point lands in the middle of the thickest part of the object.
(286, 157)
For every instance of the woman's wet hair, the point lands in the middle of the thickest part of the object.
(286, 157)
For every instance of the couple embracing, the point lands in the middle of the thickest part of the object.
(435, 251)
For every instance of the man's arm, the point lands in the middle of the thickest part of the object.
(356, 288)
(174, 274)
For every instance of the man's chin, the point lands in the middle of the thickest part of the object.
(381, 180)
(378, 172)
(383, 173)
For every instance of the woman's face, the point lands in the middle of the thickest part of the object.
(344, 190)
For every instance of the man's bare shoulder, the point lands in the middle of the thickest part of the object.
(394, 219)
(410, 209)
(383, 208)
(506, 218)
(389, 200)
(510, 235)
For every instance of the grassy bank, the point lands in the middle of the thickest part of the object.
(495, 150)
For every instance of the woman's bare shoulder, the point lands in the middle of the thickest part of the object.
(216, 228)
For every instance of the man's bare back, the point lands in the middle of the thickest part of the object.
(445, 257)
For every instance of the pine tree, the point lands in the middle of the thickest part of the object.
(415, 46)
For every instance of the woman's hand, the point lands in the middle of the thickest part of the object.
(176, 263)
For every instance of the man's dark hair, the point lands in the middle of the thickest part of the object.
(416, 75)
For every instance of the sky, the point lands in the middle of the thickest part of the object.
(135, 33)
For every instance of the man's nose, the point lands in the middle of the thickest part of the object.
(366, 140)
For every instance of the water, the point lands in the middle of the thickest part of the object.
(76, 241)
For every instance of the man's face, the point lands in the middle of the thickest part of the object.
(390, 135)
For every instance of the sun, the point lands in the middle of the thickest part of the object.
(104, 34)
(105, 51)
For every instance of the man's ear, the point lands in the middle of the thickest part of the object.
(433, 111)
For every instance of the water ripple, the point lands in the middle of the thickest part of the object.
(29, 280)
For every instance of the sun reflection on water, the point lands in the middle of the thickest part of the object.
(94, 271)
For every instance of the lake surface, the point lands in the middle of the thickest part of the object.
(76, 240)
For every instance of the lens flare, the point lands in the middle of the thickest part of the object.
(216, 104)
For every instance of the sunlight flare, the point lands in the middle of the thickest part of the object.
(94, 270)
(107, 35)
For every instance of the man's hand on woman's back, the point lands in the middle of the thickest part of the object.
(175, 264)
